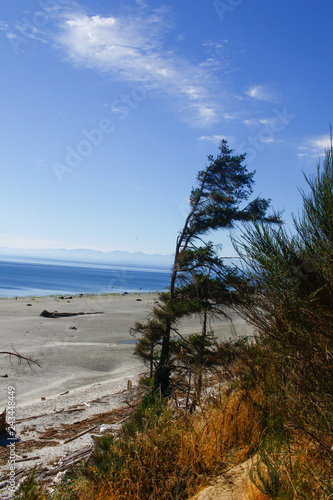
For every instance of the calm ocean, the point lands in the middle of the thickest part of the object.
(52, 278)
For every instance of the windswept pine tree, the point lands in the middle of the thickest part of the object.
(219, 201)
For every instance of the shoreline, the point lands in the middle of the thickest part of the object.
(44, 279)
(75, 295)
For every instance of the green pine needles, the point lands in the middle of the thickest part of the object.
(219, 200)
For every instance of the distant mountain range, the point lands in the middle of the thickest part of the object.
(89, 256)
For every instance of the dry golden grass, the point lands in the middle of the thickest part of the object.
(173, 456)
(170, 454)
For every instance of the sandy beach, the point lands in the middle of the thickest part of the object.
(78, 351)
(86, 362)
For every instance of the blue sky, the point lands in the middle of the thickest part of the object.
(110, 108)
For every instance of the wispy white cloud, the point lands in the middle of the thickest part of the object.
(141, 3)
(215, 139)
(258, 122)
(261, 93)
(135, 48)
(320, 143)
(131, 48)
(314, 147)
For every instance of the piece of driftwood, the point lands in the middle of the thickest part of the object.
(69, 411)
(47, 414)
(27, 459)
(55, 314)
(74, 456)
(123, 420)
(31, 418)
(70, 461)
(81, 434)
(4, 480)
(132, 405)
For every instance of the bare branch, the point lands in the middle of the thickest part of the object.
(31, 362)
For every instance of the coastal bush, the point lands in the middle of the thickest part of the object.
(289, 300)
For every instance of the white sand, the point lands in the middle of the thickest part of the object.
(78, 351)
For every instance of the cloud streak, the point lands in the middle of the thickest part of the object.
(214, 139)
(139, 46)
(261, 93)
(131, 49)
(314, 147)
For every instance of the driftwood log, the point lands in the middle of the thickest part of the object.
(55, 314)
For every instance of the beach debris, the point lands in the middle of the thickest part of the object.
(29, 304)
(58, 477)
(81, 434)
(47, 414)
(56, 314)
(56, 472)
(37, 457)
(3, 423)
(43, 398)
(7, 433)
(63, 393)
(87, 404)
(129, 384)
(72, 328)
(139, 300)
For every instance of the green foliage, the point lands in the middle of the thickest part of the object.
(146, 416)
(107, 457)
(148, 345)
(222, 186)
(291, 301)
(196, 281)
(288, 297)
(29, 488)
(267, 475)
